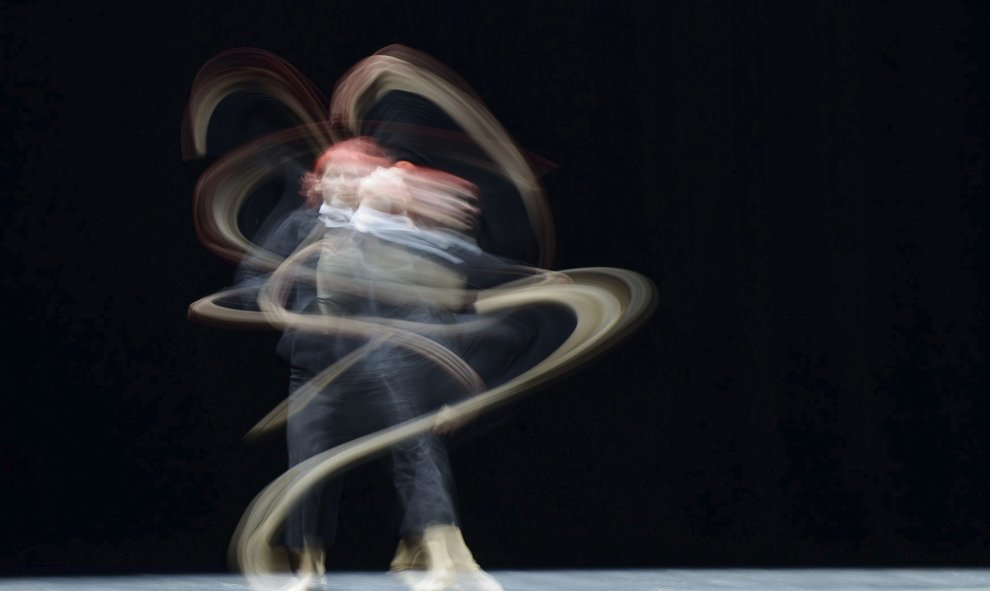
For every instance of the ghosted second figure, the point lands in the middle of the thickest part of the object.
(385, 247)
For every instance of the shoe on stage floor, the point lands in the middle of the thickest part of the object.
(440, 561)
(304, 582)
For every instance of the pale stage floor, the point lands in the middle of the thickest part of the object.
(831, 579)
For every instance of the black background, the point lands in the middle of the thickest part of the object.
(804, 182)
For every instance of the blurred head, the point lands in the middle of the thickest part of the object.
(337, 173)
(385, 189)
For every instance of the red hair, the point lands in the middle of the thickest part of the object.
(361, 149)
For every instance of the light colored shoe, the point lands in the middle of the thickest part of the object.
(470, 577)
(457, 549)
(409, 555)
(440, 561)
(424, 563)
(477, 580)
(409, 577)
(441, 581)
(310, 571)
(305, 582)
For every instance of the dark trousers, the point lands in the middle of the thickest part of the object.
(386, 387)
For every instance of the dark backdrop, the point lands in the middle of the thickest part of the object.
(804, 182)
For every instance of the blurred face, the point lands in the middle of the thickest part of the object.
(342, 175)
(385, 190)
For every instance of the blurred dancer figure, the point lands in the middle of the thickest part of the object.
(392, 237)
(366, 284)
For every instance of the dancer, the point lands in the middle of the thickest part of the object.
(405, 294)
(394, 232)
